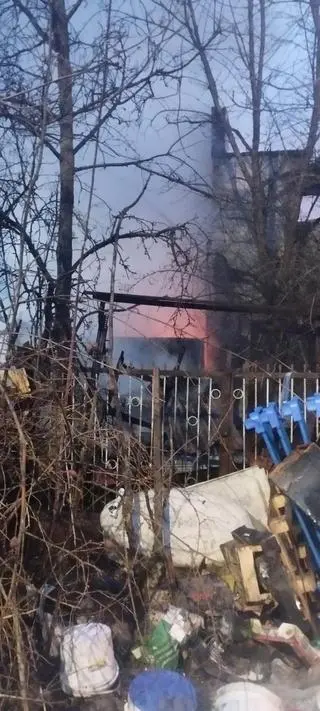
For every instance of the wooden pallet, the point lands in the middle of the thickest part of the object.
(294, 555)
(240, 560)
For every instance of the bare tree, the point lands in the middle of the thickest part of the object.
(66, 109)
(258, 66)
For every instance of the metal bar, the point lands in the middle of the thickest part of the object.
(159, 494)
(280, 388)
(187, 412)
(304, 398)
(286, 387)
(244, 405)
(225, 426)
(198, 427)
(175, 401)
(209, 429)
(216, 375)
(291, 418)
(130, 401)
(164, 388)
(140, 408)
(156, 421)
(256, 405)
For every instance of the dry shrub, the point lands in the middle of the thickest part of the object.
(53, 483)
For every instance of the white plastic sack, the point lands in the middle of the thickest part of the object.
(88, 665)
(199, 518)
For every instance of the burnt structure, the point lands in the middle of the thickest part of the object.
(232, 258)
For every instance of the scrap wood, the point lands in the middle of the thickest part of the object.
(240, 561)
(282, 582)
(250, 581)
(280, 518)
(17, 379)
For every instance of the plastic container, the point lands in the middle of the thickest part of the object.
(153, 691)
(245, 696)
(88, 665)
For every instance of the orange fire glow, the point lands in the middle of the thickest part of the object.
(152, 322)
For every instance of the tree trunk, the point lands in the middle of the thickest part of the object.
(62, 321)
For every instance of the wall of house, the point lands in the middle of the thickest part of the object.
(231, 249)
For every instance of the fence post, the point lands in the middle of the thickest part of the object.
(156, 421)
(156, 462)
(226, 425)
(161, 483)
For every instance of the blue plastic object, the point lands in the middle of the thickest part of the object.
(254, 422)
(313, 404)
(268, 421)
(294, 408)
(154, 690)
(271, 414)
(311, 534)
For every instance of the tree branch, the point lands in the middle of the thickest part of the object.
(139, 234)
(32, 19)
(34, 130)
(74, 9)
(7, 223)
(212, 86)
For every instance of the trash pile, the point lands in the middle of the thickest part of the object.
(242, 621)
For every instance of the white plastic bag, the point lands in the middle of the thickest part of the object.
(88, 665)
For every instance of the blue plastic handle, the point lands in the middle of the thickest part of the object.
(255, 422)
(313, 404)
(294, 408)
(271, 414)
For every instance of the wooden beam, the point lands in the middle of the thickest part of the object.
(170, 302)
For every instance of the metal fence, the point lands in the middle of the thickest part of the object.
(200, 419)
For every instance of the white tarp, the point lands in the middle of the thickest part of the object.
(198, 518)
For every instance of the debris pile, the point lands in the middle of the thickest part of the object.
(242, 607)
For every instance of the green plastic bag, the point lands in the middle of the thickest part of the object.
(160, 650)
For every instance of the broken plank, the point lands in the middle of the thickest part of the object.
(248, 572)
